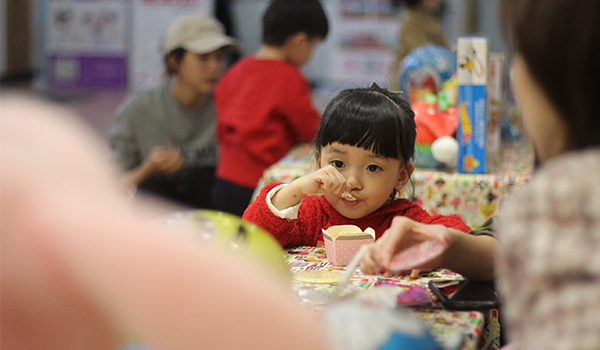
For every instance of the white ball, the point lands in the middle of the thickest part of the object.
(445, 150)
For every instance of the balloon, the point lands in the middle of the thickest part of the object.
(234, 233)
(445, 150)
(425, 69)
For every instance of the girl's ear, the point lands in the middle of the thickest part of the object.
(318, 159)
(404, 176)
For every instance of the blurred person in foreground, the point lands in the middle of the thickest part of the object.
(548, 257)
(83, 269)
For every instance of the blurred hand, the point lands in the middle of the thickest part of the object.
(165, 160)
(403, 234)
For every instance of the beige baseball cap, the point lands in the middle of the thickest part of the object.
(197, 33)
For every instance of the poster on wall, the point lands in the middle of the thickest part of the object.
(86, 44)
(364, 35)
(151, 19)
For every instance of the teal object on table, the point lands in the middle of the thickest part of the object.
(424, 159)
(356, 325)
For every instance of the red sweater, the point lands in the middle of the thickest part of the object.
(316, 213)
(264, 108)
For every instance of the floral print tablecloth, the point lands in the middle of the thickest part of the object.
(475, 197)
(482, 331)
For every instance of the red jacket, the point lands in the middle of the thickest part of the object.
(264, 108)
(316, 213)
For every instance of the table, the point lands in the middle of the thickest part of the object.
(481, 330)
(475, 197)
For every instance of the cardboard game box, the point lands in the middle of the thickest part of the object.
(472, 68)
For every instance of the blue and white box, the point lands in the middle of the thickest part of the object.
(472, 76)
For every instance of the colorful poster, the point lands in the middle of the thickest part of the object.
(86, 44)
(151, 19)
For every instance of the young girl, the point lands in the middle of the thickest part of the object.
(365, 142)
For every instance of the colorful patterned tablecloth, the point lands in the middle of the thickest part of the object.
(475, 197)
(481, 331)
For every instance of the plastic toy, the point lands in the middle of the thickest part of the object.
(433, 123)
(424, 70)
(445, 150)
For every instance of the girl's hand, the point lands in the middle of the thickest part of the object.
(165, 160)
(402, 234)
(326, 179)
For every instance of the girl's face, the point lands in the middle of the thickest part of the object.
(540, 119)
(199, 73)
(371, 177)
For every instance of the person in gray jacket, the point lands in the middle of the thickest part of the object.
(164, 139)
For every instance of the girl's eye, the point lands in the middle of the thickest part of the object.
(374, 168)
(337, 163)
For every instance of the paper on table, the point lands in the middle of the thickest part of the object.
(349, 272)
(319, 276)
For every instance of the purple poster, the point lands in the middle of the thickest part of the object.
(87, 45)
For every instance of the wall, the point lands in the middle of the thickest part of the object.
(247, 14)
(37, 47)
(2, 37)
(36, 58)
(488, 23)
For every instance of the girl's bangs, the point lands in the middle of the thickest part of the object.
(369, 130)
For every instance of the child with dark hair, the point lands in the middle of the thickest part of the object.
(264, 103)
(364, 146)
(165, 139)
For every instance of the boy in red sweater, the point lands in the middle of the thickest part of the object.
(365, 142)
(263, 102)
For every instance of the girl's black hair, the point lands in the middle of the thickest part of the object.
(373, 119)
